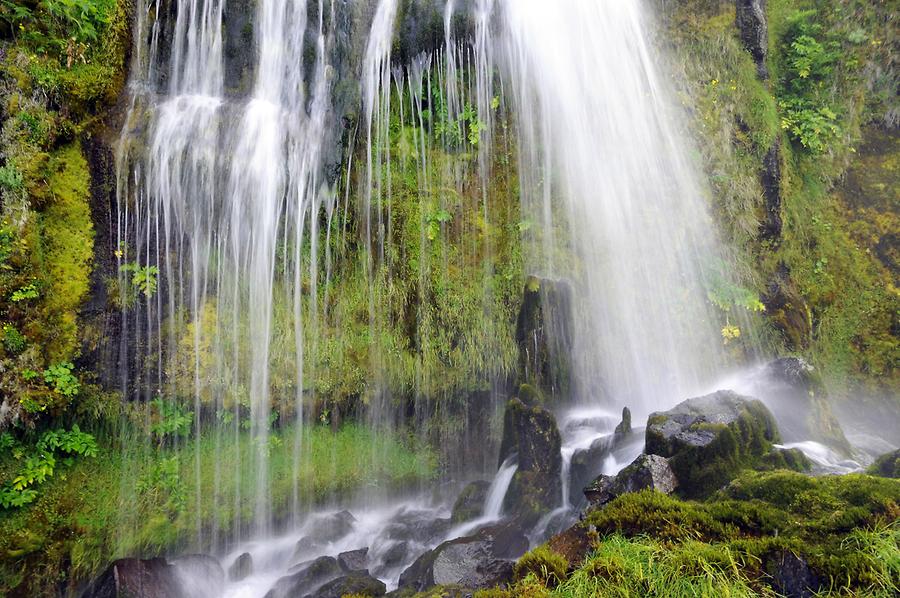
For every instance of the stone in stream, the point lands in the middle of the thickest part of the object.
(531, 433)
(470, 502)
(624, 427)
(241, 567)
(147, 578)
(587, 464)
(647, 471)
(482, 560)
(306, 578)
(356, 584)
(708, 440)
(354, 560)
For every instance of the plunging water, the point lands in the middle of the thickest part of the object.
(232, 206)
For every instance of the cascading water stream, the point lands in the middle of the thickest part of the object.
(228, 199)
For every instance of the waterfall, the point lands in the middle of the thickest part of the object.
(617, 202)
(227, 191)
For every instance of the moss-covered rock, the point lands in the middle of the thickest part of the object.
(709, 440)
(887, 465)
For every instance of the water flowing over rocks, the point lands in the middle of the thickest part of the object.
(308, 577)
(241, 568)
(199, 575)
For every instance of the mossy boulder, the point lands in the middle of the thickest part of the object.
(531, 434)
(887, 465)
(708, 440)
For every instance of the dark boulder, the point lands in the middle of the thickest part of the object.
(887, 465)
(544, 335)
(356, 584)
(646, 472)
(470, 502)
(354, 560)
(483, 560)
(531, 433)
(306, 577)
(791, 575)
(587, 464)
(241, 567)
(417, 526)
(150, 578)
(322, 530)
(750, 17)
(708, 440)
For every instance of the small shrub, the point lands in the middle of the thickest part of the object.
(60, 377)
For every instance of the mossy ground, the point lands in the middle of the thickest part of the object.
(649, 544)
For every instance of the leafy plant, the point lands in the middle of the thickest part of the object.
(172, 420)
(29, 291)
(164, 486)
(60, 377)
(144, 278)
(434, 223)
(10, 178)
(13, 341)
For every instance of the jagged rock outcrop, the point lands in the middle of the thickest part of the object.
(750, 18)
(708, 440)
(544, 335)
(531, 433)
(786, 309)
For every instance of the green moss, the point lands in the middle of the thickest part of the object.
(547, 566)
(67, 234)
(887, 465)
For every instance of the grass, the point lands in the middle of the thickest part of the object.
(144, 502)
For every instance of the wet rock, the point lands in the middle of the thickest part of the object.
(199, 575)
(470, 502)
(241, 568)
(306, 577)
(624, 427)
(708, 440)
(418, 526)
(395, 555)
(750, 17)
(544, 335)
(354, 560)
(588, 463)
(574, 544)
(483, 560)
(796, 396)
(887, 465)
(357, 584)
(770, 180)
(150, 578)
(791, 575)
(531, 433)
(647, 471)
